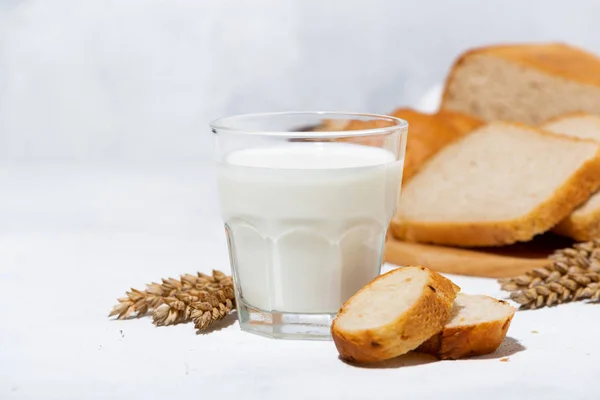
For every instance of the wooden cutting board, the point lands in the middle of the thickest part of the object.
(497, 262)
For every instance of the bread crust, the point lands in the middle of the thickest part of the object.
(574, 192)
(469, 340)
(554, 59)
(423, 319)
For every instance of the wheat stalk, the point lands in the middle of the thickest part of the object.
(203, 307)
(180, 300)
(572, 274)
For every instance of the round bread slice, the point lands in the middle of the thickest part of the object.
(393, 314)
(477, 326)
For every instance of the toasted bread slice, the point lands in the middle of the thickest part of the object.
(500, 184)
(583, 224)
(477, 326)
(393, 314)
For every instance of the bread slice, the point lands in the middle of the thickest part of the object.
(527, 83)
(477, 326)
(500, 184)
(393, 314)
(583, 223)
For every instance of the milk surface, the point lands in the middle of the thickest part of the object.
(307, 221)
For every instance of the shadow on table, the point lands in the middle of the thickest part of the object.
(406, 360)
(507, 348)
(221, 324)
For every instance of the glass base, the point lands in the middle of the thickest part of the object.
(282, 325)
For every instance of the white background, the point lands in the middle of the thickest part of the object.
(139, 79)
(106, 183)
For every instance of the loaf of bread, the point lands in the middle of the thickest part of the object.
(528, 83)
(583, 223)
(477, 326)
(500, 184)
(393, 314)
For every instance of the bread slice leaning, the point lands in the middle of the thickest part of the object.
(477, 326)
(393, 314)
(583, 224)
(498, 185)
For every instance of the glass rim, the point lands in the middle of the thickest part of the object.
(220, 125)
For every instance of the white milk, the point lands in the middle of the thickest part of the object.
(307, 221)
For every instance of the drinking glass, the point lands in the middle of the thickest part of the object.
(306, 198)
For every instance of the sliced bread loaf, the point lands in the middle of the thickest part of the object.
(393, 314)
(500, 184)
(477, 326)
(528, 83)
(583, 223)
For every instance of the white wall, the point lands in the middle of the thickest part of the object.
(139, 79)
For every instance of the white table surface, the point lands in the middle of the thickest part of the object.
(74, 238)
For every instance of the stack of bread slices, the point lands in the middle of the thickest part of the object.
(513, 152)
(532, 166)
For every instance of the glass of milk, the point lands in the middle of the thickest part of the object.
(306, 205)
